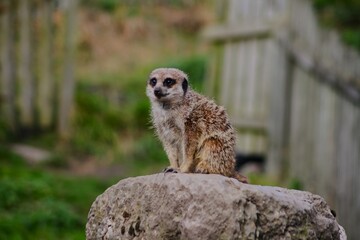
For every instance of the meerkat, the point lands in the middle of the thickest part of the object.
(195, 132)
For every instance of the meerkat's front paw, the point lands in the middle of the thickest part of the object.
(241, 178)
(171, 170)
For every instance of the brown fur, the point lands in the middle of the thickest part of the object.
(195, 132)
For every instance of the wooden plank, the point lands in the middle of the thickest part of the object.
(252, 125)
(46, 83)
(347, 175)
(8, 73)
(250, 104)
(305, 131)
(298, 117)
(325, 151)
(259, 81)
(26, 65)
(227, 74)
(68, 82)
(278, 105)
(233, 11)
(235, 33)
(242, 83)
(312, 108)
(239, 81)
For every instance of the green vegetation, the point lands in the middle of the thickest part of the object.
(112, 5)
(342, 15)
(296, 184)
(39, 205)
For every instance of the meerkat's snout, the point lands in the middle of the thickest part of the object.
(159, 93)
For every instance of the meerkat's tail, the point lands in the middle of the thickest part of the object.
(240, 178)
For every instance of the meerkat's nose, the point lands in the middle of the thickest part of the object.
(158, 93)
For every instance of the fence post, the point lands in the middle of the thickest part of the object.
(68, 83)
(8, 74)
(26, 65)
(46, 97)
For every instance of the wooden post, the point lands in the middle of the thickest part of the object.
(8, 74)
(26, 63)
(280, 72)
(68, 82)
(279, 119)
(46, 98)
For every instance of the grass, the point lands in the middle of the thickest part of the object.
(36, 204)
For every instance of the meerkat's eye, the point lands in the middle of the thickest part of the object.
(153, 82)
(168, 82)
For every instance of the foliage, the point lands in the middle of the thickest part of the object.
(111, 5)
(148, 156)
(39, 205)
(296, 184)
(262, 179)
(105, 5)
(96, 123)
(4, 132)
(344, 16)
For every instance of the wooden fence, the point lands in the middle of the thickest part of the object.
(37, 58)
(244, 62)
(293, 91)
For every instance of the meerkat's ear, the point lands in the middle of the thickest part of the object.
(185, 85)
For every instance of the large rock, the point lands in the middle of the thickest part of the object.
(198, 206)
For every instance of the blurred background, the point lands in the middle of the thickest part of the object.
(74, 117)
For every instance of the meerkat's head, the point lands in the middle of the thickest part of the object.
(167, 85)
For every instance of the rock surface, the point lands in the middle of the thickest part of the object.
(199, 206)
